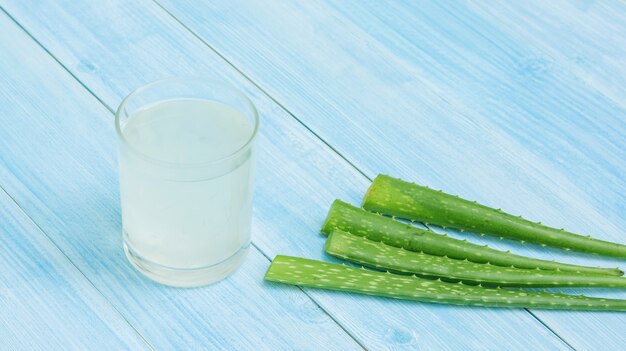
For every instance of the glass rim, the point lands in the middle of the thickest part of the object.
(231, 88)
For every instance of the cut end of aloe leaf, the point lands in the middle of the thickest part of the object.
(329, 242)
(377, 192)
(329, 225)
(339, 212)
(372, 189)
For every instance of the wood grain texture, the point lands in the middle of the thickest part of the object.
(45, 302)
(121, 45)
(586, 38)
(59, 160)
(458, 97)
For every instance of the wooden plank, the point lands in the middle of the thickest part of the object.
(470, 107)
(70, 315)
(59, 160)
(298, 176)
(585, 37)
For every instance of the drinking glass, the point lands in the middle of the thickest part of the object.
(186, 163)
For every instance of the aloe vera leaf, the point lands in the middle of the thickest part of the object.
(384, 229)
(406, 200)
(381, 256)
(318, 274)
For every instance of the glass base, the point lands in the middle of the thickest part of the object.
(186, 278)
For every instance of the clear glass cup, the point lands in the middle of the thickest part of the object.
(187, 151)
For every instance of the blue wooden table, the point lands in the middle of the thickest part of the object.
(517, 105)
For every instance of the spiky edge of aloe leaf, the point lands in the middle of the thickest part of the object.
(376, 227)
(318, 274)
(399, 198)
(381, 256)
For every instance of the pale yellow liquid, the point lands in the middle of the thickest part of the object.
(186, 217)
